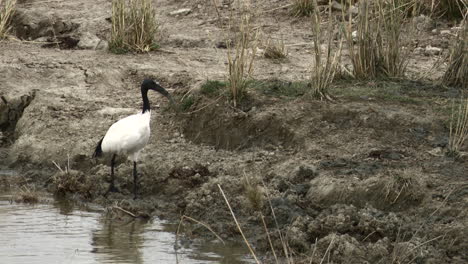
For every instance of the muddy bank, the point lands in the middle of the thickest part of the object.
(363, 179)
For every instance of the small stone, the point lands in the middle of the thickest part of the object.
(88, 41)
(183, 11)
(445, 32)
(424, 23)
(103, 45)
(353, 10)
(419, 50)
(438, 152)
(336, 6)
(354, 35)
(432, 51)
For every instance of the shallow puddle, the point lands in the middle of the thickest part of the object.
(61, 233)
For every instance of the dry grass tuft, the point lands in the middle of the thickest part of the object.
(27, 195)
(7, 9)
(253, 192)
(458, 127)
(303, 7)
(241, 54)
(451, 9)
(324, 69)
(457, 71)
(72, 181)
(275, 49)
(376, 48)
(134, 26)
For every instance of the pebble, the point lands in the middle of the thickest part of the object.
(431, 51)
(183, 11)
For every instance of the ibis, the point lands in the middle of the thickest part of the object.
(129, 135)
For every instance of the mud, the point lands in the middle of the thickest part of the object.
(363, 179)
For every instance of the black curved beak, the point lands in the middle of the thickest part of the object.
(158, 88)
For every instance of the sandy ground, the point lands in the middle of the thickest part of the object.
(365, 175)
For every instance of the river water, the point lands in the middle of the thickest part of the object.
(59, 232)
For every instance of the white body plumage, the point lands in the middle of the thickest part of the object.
(128, 136)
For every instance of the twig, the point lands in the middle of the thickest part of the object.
(269, 239)
(238, 226)
(125, 211)
(58, 167)
(371, 233)
(276, 8)
(285, 248)
(198, 222)
(328, 248)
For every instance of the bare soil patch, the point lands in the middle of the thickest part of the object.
(366, 173)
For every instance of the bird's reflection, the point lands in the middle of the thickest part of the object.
(119, 242)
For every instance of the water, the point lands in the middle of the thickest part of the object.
(59, 232)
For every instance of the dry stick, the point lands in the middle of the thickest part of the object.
(420, 245)
(58, 167)
(371, 233)
(238, 226)
(198, 222)
(328, 248)
(125, 211)
(313, 252)
(269, 239)
(276, 8)
(286, 254)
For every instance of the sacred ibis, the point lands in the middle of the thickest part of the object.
(129, 135)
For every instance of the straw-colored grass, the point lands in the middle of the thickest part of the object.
(241, 53)
(324, 68)
(302, 7)
(275, 49)
(457, 71)
(376, 48)
(134, 26)
(7, 9)
(451, 9)
(458, 127)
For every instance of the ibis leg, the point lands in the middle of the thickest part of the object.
(112, 187)
(135, 180)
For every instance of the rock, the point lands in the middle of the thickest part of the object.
(424, 23)
(419, 50)
(353, 10)
(303, 173)
(88, 41)
(354, 35)
(446, 32)
(437, 152)
(103, 45)
(336, 6)
(432, 51)
(183, 12)
(31, 24)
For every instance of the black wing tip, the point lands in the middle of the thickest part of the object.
(98, 150)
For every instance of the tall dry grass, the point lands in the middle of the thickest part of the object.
(451, 9)
(303, 7)
(7, 9)
(376, 48)
(324, 68)
(458, 127)
(457, 71)
(134, 26)
(241, 52)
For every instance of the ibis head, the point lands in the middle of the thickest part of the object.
(149, 84)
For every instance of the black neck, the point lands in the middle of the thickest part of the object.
(146, 103)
